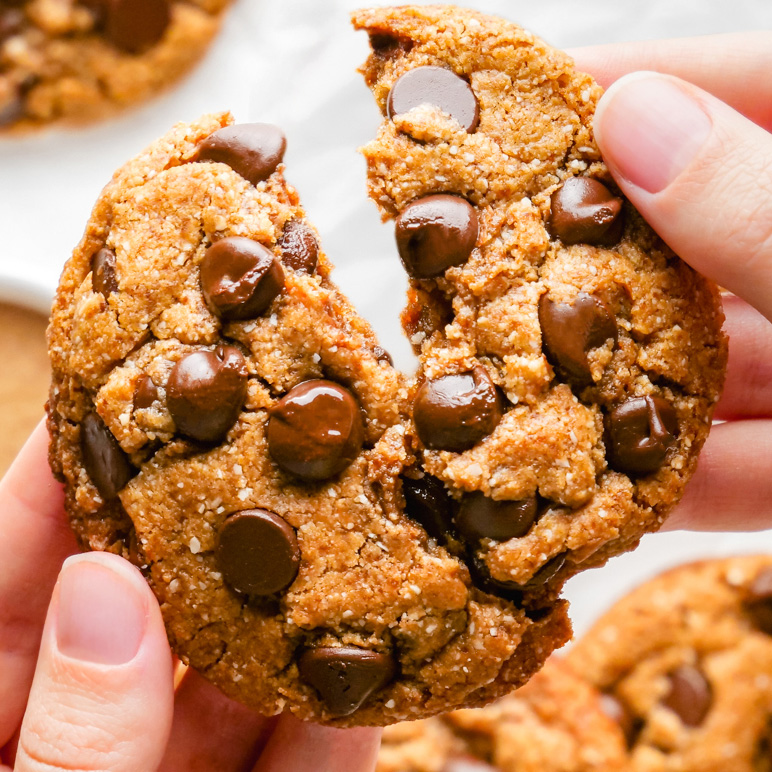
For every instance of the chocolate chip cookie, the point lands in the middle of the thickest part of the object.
(555, 723)
(685, 661)
(222, 417)
(569, 361)
(79, 60)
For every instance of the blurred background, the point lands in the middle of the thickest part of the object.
(293, 62)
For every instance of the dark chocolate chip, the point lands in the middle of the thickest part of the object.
(299, 247)
(427, 503)
(206, 391)
(382, 355)
(546, 572)
(435, 233)
(689, 695)
(133, 25)
(758, 601)
(640, 431)
(103, 276)
(466, 764)
(387, 45)
(145, 392)
(11, 22)
(571, 330)
(347, 676)
(618, 712)
(258, 552)
(438, 87)
(253, 150)
(480, 517)
(315, 430)
(454, 412)
(240, 278)
(107, 465)
(585, 211)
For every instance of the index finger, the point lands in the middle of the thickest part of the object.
(733, 67)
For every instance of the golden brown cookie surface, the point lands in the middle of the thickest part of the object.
(80, 60)
(685, 660)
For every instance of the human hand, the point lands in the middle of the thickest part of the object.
(89, 684)
(700, 171)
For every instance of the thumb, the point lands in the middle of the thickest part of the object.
(102, 696)
(699, 172)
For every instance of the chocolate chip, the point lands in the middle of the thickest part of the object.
(299, 247)
(585, 211)
(435, 233)
(11, 22)
(382, 355)
(240, 278)
(758, 601)
(546, 572)
(618, 712)
(454, 412)
(571, 330)
(514, 591)
(133, 25)
(466, 764)
(107, 465)
(145, 392)
(427, 503)
(316, 430)
(640, 431)
(438, 87)
(103, 278)
(480, 517)
(206, 391)
(689, 695)
(347, 676)
(257, 552)
(253, 150)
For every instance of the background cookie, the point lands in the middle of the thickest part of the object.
(569, 361)
(78, 61)
(223, 418)
(686, 662)
(555, 723)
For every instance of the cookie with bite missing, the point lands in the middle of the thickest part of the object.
(81, 60)
(569, 361)
(685, 662)
(223, 418)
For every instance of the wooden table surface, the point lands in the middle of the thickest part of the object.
(24, 377)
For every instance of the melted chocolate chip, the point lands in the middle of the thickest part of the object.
(513, 591)
(584, 211)
(382, 355)
(316, 430)
(438, 87)
(299, 247)
(571, 330)
(455, 412)
(258, 552)
(132, 25)
(103, 278)
(689, 696)
(640, 431)
(240, 278)
(145, 392)
(546, 572)
(427, 503)
(466, 764)
(480, 517)
(758, 601)
(107, 465)
(11, 22)
(386, 45)
(435, 233)
(253, 150)
(345, 677)
(206, 391)
(617, 711)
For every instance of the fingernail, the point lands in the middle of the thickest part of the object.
(650, 129)
(101, 615)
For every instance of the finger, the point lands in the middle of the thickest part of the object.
(732, 487)
(212, 732)
(102, 697)
(303, 747)
(735, 67)
(699, 172)
(34, 540)
(748, 387)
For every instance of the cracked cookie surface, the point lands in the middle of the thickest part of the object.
(81, 60)
(685, 662)
(222, 417)
(569, 361)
